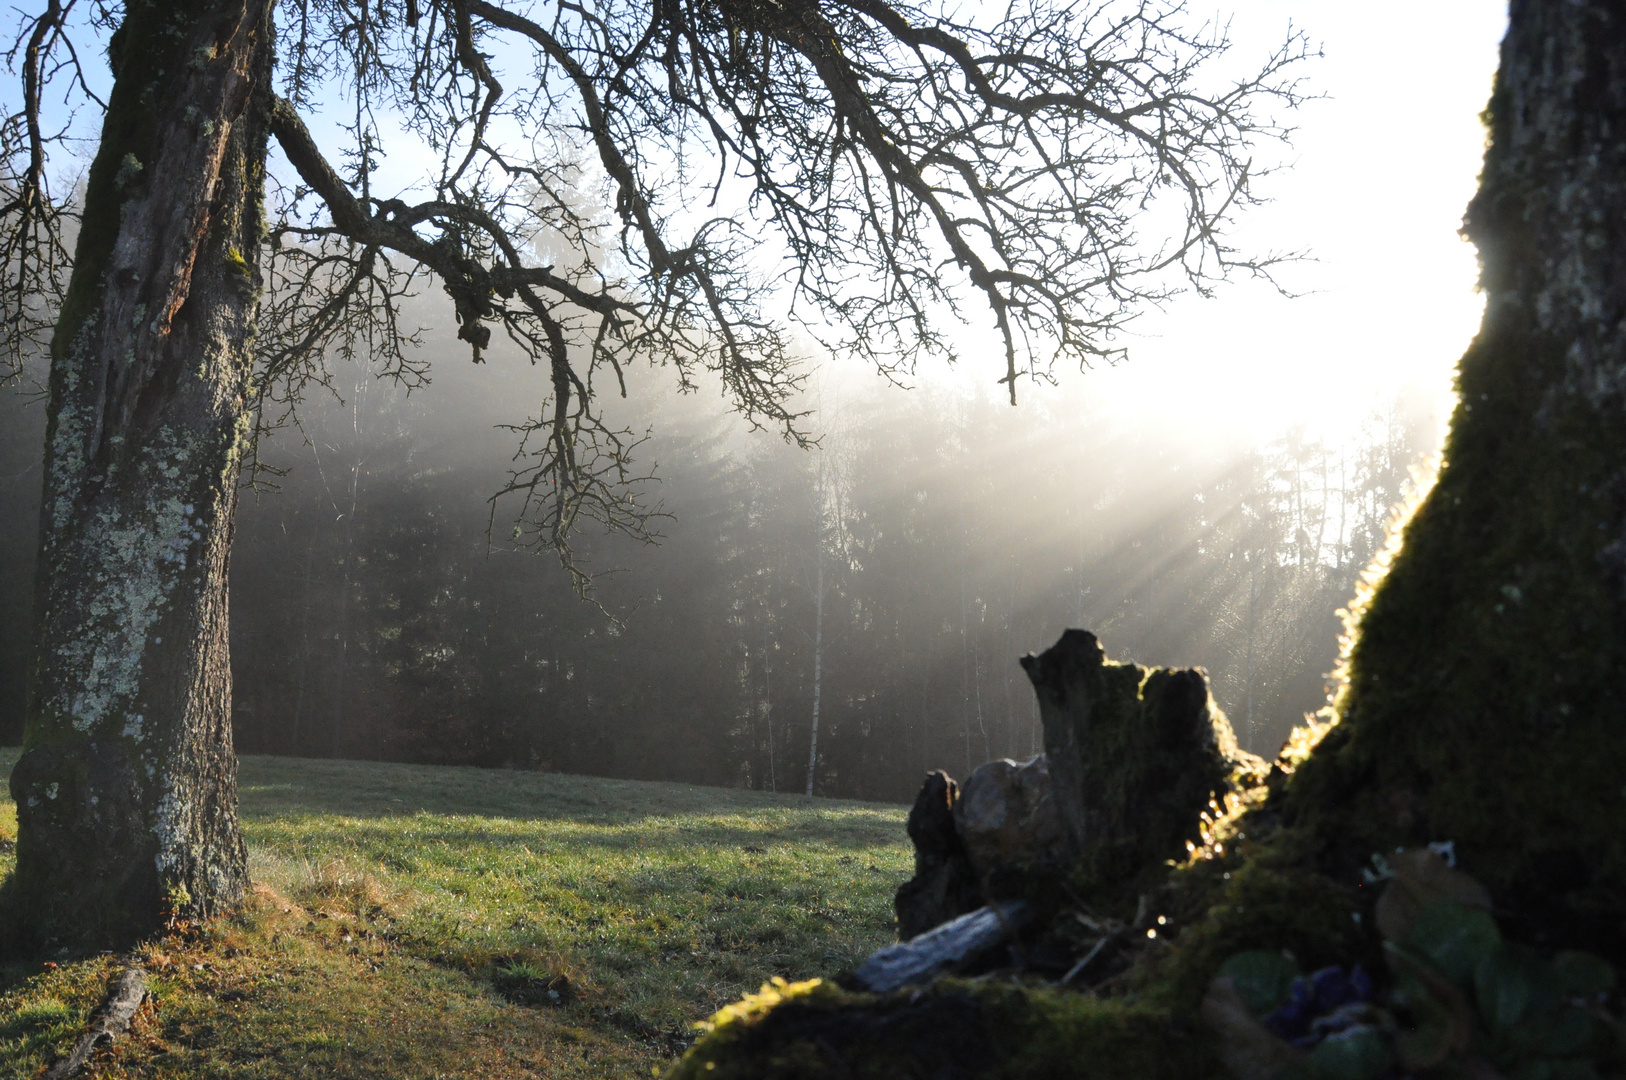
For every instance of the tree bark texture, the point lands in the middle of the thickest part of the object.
(945, 885)
(126, 791)
(1485, 700)
(1136, 758)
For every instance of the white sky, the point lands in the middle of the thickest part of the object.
(1384, 168)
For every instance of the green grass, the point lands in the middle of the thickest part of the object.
(411, 921)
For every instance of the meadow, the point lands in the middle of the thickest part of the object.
(425, 922)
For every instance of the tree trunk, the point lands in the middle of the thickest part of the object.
(339, 742)
(127, 788)
(767, 701)
(1485, 696)
(818, 670)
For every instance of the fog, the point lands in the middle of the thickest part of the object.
(1212, 502)
(381, 609)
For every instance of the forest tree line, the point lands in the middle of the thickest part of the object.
(381, 607)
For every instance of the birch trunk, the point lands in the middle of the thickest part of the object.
(127, 788)
(818, 671)
(767, 702)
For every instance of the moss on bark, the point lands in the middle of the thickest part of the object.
(1485, 699)
(1484, 702)
(1137, 757)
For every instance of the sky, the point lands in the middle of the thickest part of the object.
(1383, 167)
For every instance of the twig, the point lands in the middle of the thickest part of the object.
(1072, 972)
(107, 1023)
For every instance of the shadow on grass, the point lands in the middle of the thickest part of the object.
(756, 842)
(271, 786)
(380, 944)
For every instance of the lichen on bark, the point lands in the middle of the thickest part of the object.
(126, 789)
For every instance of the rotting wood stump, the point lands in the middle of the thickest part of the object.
(944, 886)
(1033, 881)
(1135, 756)
(1133, 759)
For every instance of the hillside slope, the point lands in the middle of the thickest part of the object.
(412, 921)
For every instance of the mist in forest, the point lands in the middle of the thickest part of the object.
(1211, 503)
(889, 576)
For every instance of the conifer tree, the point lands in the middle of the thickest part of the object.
(894, 167)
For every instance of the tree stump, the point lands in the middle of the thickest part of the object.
(1135, 757)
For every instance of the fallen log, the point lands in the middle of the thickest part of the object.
(106, 1023)
(946, 948)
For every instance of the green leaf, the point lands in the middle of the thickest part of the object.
(1356, 1053)
(1264, 979)
(1554, 1070)
(1582, 975)
(1506, 984)
(1553, 1032)
(1444, 1017)
(1426, 1045)
(1454, 939)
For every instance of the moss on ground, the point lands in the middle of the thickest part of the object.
(956, 1028)
(1263, 895)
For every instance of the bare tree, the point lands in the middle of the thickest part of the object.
(873, 172)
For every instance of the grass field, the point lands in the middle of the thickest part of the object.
(412, 921)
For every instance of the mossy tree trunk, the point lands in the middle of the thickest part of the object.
(1486, 702)
(126, 790)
